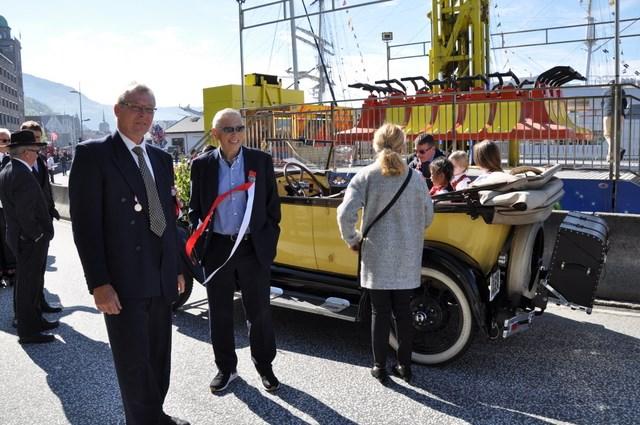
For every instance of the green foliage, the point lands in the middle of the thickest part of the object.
(183, 180)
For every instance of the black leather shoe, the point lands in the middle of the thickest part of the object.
(38, 338)
(380, 374)
(402, 372)
(47, 325)
(221, 381)
(47, 308)
(270, 381)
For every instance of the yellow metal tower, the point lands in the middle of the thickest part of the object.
(459, 39)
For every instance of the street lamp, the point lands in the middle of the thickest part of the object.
(387, 37)
(79, 92)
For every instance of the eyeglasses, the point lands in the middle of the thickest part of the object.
(236, 129)
(424, 150)
(139, 109)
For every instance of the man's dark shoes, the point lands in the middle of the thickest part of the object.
(48, 308)
(402, 372)
(270, 381)
(221, 381)
(47, 325)
(38, 338)
(380, 374)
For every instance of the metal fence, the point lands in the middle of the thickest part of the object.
(533, 126)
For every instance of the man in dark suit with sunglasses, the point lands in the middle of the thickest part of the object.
(426, 152)
(248, 268)
(123, 220)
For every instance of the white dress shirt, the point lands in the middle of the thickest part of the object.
(130, 145)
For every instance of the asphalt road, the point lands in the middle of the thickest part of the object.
(571, 368)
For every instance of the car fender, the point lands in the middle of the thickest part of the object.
(462, 272)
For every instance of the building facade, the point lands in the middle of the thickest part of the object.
(60, 130)
(11, 88)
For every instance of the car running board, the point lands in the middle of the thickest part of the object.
(338, 308)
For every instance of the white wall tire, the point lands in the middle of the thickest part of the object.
(442, 320)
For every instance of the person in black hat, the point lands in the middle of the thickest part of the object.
(39, 170)
(29, 230)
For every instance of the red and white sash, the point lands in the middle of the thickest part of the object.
(250, 187)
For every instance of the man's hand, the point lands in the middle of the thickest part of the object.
(106, 299)
(181, 284)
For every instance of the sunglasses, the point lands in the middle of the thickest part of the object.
(5, 140)
(423, 150)
(34, 150)
(236, 129)
(139, 109)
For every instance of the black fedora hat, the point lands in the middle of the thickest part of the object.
(24, 138)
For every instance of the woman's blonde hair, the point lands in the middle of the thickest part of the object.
(388, 142)
(486, 154)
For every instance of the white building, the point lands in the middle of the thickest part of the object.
(186, 134)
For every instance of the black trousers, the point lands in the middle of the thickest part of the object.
(383, 303)
(253, 279)
(31, 258)
(140, 338)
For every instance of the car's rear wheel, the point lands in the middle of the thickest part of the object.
(443, 323)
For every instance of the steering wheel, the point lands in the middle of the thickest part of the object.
(298, 185)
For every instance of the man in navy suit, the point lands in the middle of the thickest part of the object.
(124, 229)
(29, 230)
(249, 268)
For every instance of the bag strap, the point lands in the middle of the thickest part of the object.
(389, 205)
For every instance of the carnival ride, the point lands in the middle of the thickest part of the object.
(460, 101)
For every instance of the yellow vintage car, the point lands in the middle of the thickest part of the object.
(482, 259)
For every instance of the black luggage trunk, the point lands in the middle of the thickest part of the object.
(578, 258)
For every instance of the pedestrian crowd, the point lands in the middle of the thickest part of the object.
(123, 215)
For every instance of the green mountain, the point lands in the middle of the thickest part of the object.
(35, 107)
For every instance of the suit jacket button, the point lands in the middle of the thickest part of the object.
(123, 200)
(138, 248)
(132, 222)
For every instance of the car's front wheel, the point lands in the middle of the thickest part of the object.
(442, 320)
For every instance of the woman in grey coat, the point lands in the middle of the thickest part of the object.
(391, 256)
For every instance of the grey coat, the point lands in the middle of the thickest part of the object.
(392, 252)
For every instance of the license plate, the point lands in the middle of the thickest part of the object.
(494, 284)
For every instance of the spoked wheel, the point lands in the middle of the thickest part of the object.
(442, 320)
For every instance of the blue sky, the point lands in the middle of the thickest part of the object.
(180, 47)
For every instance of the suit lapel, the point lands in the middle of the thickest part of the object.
(212, 176)
(129, 169)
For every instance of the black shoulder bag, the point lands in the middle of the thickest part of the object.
(364, 305)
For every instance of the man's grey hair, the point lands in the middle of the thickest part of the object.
(5, 131)
(136, 88)
(17, 150)
(226, 112)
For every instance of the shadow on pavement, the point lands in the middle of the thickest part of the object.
(80, 373)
